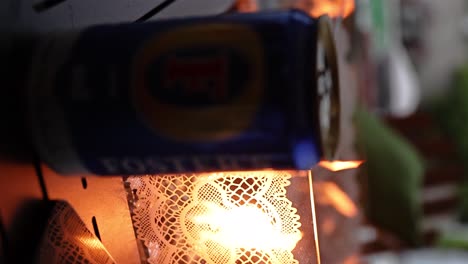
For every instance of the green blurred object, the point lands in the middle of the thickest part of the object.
(463, 206)
(394, 178)
(452, 114)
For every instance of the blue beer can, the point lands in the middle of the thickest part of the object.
(233, 92)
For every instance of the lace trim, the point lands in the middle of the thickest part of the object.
(228, 218)
(68, 240)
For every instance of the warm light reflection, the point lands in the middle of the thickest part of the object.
(332, 8)
(244, 227)
(353, 259)
(338, 165)
(90, 242)
(328, 226)
(329, 193)
(314, 218)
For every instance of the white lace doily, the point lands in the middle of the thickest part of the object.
(215, 218)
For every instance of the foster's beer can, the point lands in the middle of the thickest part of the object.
(233, 92)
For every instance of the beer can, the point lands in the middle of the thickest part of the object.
(232, 92)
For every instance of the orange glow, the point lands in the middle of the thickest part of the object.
(330, 193)
(247, 5)
(328, 226)
(332, 8)
(353, 259)
(219, 222)
(338, 165)
(244, 227)
(223, 217)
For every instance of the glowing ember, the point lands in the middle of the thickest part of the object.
(330, 193)
(332, 8)
(338, 165)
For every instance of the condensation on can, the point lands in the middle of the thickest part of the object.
(234, 92)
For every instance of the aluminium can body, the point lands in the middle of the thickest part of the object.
(233, 92)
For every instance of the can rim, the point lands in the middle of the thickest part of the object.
(328, 137)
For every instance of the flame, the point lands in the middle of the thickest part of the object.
(330, 193)
(333, 8)
(244, 227)
(338, 165)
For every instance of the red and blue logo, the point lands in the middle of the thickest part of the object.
(199, 83)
